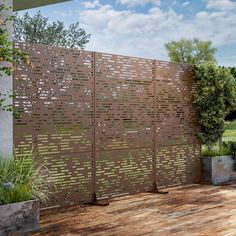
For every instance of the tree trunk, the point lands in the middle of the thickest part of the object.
(221, 143)
(210, 148)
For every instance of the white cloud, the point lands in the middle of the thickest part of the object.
(219, 27)
(186, 3)
(133, 3)
(91, 5)
(144, 34)
(221, 4)
(130, 33)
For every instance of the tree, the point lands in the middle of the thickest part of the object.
(37, 29)
(190, 51)
(214, 98)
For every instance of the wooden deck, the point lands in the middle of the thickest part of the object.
(190, 210)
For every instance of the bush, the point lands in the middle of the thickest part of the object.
(215, 151)
(231, 145)
(24, 178)
(214, 98)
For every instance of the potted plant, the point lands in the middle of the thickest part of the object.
(214, 97)
(24, 182)
(218, 167)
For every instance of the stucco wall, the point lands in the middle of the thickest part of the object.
(6, 121)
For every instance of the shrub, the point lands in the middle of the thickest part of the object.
(214, 98)
(231, 145)
(215, 151)
(24, 178)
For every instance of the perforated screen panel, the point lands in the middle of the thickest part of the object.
(106, 124)
(55, 101)
(177, 143)
(124, 124)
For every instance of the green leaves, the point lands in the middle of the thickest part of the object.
(190, 51)
(214, 98)
(231, 145)
(23, 178)
(8, 57)
(37, 29)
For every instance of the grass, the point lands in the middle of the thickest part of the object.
(23, 178)
(230, 131)
(216, 151)
(229, 134)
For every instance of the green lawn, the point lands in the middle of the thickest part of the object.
(230, 131)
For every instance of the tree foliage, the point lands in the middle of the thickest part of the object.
(214, 98)
(37, 29)
(8, 54)
(190, 51)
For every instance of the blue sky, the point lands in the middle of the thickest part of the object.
(142, 27)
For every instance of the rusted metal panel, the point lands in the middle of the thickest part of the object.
(123, 79)
(55, 101)
(55, 127)
(106, 124)
(124, 124)
(123, 171)
(72, 174)
(178, 157)
(178, 164)
(56, 74)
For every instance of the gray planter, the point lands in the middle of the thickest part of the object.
(20, 217)
(218, 170)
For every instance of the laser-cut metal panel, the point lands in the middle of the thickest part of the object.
(124, 124)
(120, 125)
(55, 99)
(72, 174)
(176, 123)
(176, 126)
(57, 74)
(176, 117)
(178, 165)
(123, 79)
(106, 124)
(55, 126)
(123, 171)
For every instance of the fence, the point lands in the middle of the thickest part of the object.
(106, 124)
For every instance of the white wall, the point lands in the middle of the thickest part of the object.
(6, 119)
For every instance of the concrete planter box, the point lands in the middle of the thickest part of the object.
(20, 217)
(218, 170)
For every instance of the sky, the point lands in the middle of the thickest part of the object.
(142, 27)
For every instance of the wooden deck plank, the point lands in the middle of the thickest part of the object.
(200, 210)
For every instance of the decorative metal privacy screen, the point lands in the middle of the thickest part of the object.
(106, 124)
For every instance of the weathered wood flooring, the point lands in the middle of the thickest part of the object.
(187, 211)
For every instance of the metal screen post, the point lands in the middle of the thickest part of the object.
(155, 127)
(155, 187)
(96, 201)
(94, 128)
